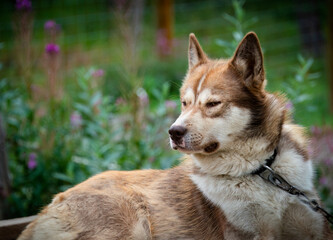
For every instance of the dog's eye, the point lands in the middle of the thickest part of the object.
(184, 103)
(212, 104)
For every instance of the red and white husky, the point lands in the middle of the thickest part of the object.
(229, 126)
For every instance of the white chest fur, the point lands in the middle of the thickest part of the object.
(248, 202)
(244, 200)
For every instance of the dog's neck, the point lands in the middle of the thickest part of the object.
(246, 154)
(242, 159)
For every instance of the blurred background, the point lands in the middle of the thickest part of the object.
(87, 86)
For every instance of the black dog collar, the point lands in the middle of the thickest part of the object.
(268, 162)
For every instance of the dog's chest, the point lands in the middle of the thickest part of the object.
(244, 200)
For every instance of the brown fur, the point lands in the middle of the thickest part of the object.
(192, 201)
(162, 203)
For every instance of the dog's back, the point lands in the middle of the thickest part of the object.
(131, 205)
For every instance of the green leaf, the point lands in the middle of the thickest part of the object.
(62, 177)
(223, 43)
(231, 19)
(83, 108)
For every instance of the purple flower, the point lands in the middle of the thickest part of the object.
(170, 104)
(323, 181)
(23, 5)
(51, 27)
(289, 106)
(98, 73)
(50, 24)
(76, 120)
(52, 48)
(328, 162)
(32, 163)
(315, 130)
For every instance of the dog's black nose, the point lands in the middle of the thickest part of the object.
(177, 132)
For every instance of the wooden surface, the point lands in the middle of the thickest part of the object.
(4, 173)
(11, 229)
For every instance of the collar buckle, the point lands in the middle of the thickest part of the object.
(268, 174)
(268, 163)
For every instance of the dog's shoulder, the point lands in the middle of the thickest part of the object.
(295, 137)
(293, 161)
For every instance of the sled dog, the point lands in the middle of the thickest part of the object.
(228, 129)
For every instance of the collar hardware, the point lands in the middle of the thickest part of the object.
(268, 174)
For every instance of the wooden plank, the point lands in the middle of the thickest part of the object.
(11, 229)
(4, 172)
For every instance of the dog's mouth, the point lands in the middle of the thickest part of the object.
(211, 148)
(181, 146)
(177, 145)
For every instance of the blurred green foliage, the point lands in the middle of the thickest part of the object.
(80, 137)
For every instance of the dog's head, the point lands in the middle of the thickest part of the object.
(222, 100)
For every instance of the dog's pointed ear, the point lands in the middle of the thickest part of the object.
(196, 55)
(248, 60)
